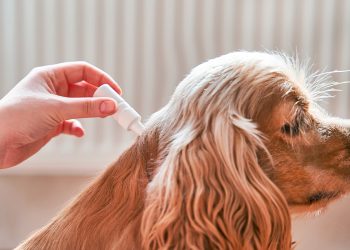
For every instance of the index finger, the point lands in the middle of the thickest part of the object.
(73, 72)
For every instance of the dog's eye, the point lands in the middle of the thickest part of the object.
(321, 196)
(290, 129)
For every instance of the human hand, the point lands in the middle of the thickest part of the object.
(43, 103)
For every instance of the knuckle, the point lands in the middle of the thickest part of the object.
(57, 107)
(46, 72)
(89, 107)
(83, 63)
(36, 70)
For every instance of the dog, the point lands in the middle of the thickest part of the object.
(240, 146)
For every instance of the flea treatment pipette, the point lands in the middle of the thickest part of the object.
(126, 116)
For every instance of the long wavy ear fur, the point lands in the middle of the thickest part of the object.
(107, 215)
(211, 193)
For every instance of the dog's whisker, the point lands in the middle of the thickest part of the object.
(323, 98)
(324, 92)
(331, 72)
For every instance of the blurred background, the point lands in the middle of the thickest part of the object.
(148, 46)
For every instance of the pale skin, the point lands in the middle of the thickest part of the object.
(45, 103)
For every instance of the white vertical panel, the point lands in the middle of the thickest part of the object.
(150, 59)
(69, 22)
(50, 34)
(248, 23)
(89, 28)
(9, 19)
(288, 22)
(307, 28)
(326, 41)
(208, 26)
(268, 23)
(345, 41)
(30, 50)
(342, 107)
(128, 57)
(169, 53)
(227, 23)
(110, 39)
(192, 34)
(2, 49)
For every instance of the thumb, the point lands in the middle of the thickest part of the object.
(87, 107)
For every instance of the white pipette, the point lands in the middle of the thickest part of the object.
(126, 116)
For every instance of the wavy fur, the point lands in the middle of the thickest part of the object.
(203, 175)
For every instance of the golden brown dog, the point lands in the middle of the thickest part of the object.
(240, 145)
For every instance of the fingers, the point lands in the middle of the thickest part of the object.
(69, 127)
(69, 73)
(81, 89)
(87, 107)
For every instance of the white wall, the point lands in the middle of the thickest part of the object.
(148, 46)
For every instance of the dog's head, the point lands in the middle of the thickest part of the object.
(240, 140)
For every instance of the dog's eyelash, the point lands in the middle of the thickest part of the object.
(291, 130)
(321, 196)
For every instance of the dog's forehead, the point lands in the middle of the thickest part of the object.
(245, 76)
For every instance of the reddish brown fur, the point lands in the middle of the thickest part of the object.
(203, 176)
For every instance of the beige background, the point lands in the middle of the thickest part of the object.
(148, 46)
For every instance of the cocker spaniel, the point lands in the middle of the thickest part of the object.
(241, 144)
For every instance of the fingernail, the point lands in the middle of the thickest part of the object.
(107, 107)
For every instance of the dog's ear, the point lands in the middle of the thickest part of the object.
(211, 193)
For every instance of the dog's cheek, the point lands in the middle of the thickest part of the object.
(285, 175)
(265, 163)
